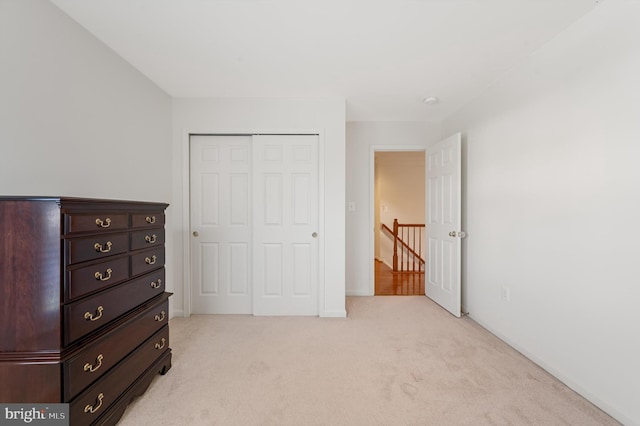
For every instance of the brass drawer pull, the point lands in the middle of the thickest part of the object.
(151, 239)
(160, 317)
(91, 409)
(90, 368)
(105, 224)
(105, 277)
(150, 219)
(89, 316)
(99, 247)
(156, 284)
(161, 344)
(150, 260)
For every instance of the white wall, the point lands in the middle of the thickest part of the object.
(361, 137)
(552, 203)
(75, 118)
(326, 116)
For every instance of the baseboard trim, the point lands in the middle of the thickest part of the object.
(334, 314)
(359, 293)
(176, 313)
(586, 394)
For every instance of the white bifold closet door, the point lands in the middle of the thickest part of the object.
(221, 228)
(254, 221)
(285, 225)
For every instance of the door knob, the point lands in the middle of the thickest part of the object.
(315, 234)
(195, 233)
(457, 234)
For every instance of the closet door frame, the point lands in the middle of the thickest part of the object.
(186, 190)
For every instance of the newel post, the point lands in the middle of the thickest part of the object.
(395, 245)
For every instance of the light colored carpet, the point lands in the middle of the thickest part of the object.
(393, 361)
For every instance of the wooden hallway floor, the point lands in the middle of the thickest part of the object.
(389, 283)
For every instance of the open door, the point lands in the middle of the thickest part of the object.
(443, 210)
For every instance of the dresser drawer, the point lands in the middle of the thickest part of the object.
(95, 247)
(147, 261)
(147, 239)
(92, 403)
(143, 220)
(96, 359)
(95, 222)
(87, 315)
(88, 279)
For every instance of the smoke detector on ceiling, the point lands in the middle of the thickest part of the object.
(431, 100)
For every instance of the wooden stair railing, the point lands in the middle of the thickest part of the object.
(407, 256)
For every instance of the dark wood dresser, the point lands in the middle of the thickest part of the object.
(83, 311)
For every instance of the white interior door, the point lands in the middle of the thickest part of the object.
(220, 206)
(285, 219)
(444, 222)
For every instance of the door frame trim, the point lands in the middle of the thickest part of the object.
(372, 220)
(186, 206)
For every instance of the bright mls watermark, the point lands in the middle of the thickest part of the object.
(34, 414)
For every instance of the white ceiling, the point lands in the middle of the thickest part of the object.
(382, 56)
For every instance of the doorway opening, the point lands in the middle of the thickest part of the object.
(399, 229)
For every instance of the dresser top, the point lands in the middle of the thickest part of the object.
(62, 200)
